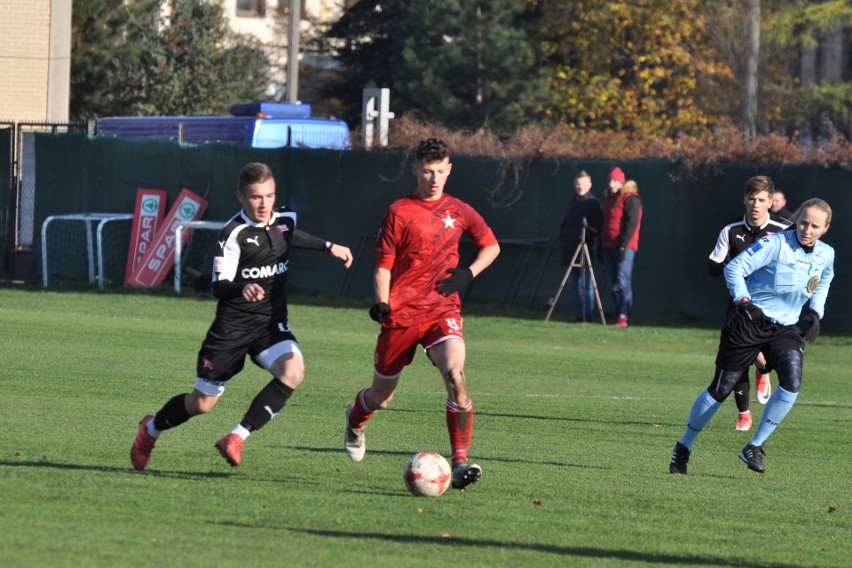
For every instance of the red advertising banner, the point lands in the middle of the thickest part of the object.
(155, 264)
(149, 212)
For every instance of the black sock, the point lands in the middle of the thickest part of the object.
(760, 370)
(266, 405)
(172, 414)
(741, 394)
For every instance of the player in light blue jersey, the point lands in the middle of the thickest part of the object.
(769, 282)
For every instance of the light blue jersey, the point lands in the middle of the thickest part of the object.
(780, 276)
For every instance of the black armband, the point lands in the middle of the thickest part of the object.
(303, 240)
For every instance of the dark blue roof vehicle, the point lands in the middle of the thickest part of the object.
(256, 124)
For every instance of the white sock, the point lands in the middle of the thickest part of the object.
(240, 431)
(151, 430)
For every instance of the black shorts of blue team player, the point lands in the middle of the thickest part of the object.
(223, 352)
(743, 338)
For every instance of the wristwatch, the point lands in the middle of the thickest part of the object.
(328, 246)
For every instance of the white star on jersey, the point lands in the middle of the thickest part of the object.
(449, 222)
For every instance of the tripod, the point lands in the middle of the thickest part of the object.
(581, 260)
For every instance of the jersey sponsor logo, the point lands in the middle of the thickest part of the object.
(755, 247)
(264, 271)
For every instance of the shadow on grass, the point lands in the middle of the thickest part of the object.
(481, 413)
(563, 419)
(406, 454)
(579, 552)
(111, 469)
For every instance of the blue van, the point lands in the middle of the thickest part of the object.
(255, 124)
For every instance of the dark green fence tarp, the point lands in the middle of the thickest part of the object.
(7, 205)
(343, 195)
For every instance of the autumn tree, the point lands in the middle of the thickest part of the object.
(638, 67)
(813, 40)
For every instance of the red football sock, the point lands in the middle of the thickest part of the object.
(460, 427)
(360, 413)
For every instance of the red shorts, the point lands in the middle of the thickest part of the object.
(396, 346)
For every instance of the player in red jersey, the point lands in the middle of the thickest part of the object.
(417, 280)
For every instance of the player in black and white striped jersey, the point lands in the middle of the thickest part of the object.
(249, 278)
(734, 238)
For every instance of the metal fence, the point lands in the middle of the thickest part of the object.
(17, 189)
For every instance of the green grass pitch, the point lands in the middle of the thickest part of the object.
(574, 428)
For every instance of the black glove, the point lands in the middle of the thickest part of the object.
(379, 312)
(809, 326)
(459, 278)
(748, 310)
(621, 252)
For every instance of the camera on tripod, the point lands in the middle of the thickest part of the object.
(582, 260)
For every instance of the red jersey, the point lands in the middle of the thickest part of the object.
(418, 242)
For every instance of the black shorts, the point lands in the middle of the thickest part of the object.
(223, 352)
(742, 339)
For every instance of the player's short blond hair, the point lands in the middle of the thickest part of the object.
(252, 173)
(816, 203)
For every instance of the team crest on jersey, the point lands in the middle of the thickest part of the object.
(812, 284)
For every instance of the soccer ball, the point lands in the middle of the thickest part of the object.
(427, 474)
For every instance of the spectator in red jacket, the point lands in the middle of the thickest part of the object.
(622, 219)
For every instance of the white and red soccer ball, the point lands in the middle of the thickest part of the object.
(427, 474)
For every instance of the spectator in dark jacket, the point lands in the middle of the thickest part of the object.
(622, 220)
(584, 212)
(779, 206)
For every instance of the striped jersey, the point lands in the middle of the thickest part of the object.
(738, 235)
(253, 252)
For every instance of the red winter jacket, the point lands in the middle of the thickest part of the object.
(622, 215)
